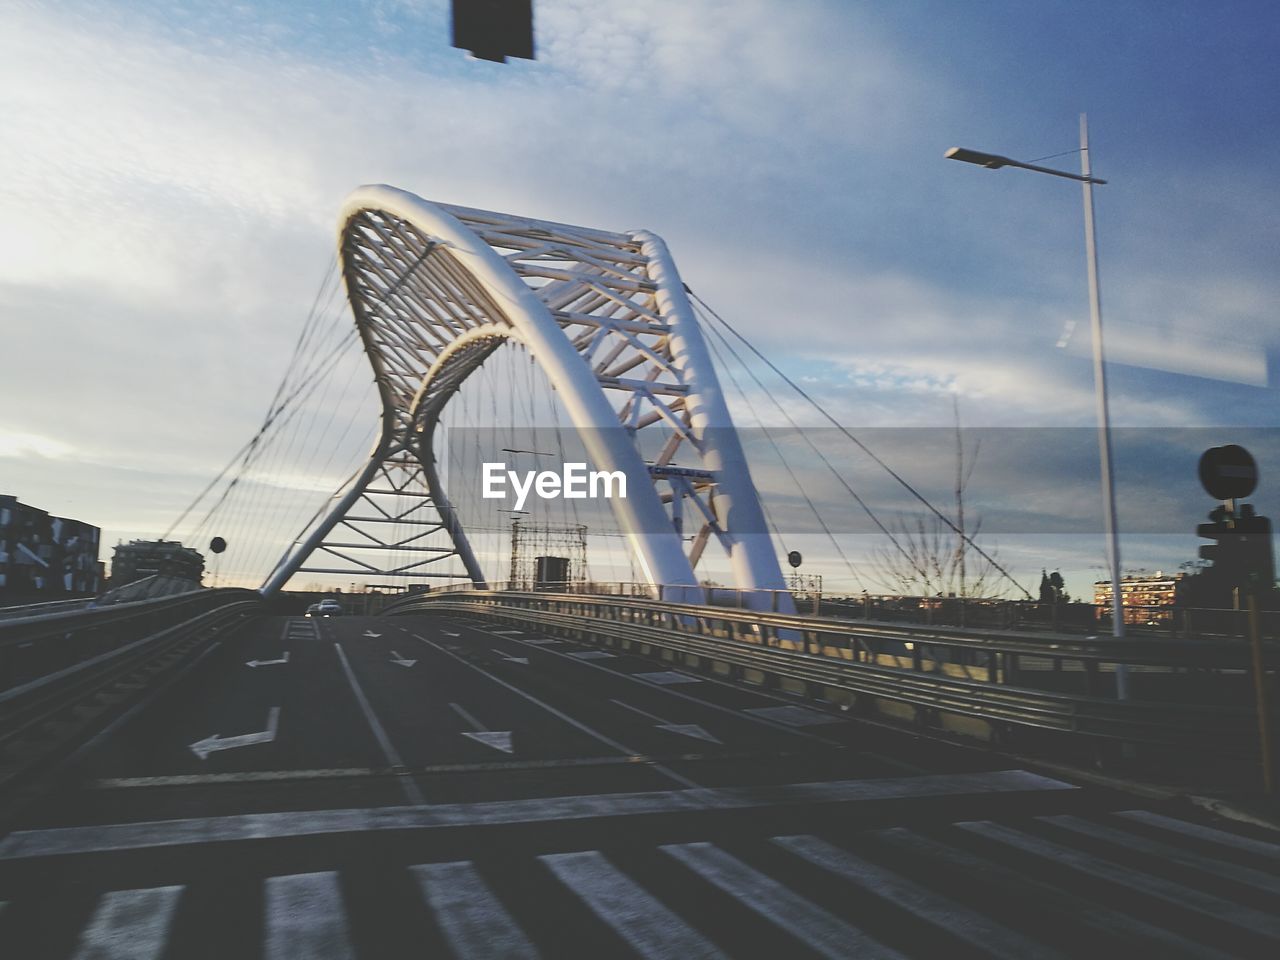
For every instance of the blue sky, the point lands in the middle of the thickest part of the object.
(169, 179)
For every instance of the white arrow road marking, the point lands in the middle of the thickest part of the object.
(689, 730)
(202, 748)
(508, 657)
(684, 729)
(267, 663)
(370, 633)
(498, 739)
(396, 658)
(665, 677)
(794, 715)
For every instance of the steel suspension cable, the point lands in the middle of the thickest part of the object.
(860, 445)
(769, 435)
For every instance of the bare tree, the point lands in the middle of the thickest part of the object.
(933, 559)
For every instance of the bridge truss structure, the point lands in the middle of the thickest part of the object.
(434, 290)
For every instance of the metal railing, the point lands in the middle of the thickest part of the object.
(120, 655)
(32, 646)
(1185, 693)
(991, 613)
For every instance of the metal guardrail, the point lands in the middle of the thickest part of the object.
(886, 668)
(35, 646)
(1082, 618)
(44, 608)
(47, 716)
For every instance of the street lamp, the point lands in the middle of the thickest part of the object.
(1085, 176)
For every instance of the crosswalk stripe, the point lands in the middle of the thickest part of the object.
(958, 920)
(129, 925)
(1120, 838)
(1247, 844)
(649, 927)
(807, 922)
(1090, 913)
(306, 919)
(1181, 896)
(473, 920)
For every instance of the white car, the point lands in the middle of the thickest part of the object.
(325, 608)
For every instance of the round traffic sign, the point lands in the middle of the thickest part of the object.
(217, 544)
(794, 558)
(1228, 472)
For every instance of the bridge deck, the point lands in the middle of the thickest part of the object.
(431, 786)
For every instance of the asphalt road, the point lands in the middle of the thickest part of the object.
(298, 713)
(438, 786)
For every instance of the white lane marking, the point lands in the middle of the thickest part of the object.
(129, 925)
(670, 691)
(806, 921)
(1185, 827)
(957, 919)
(594, 734)
(508, 657)
(1092, 914)
(666, 677)
(690, 730)
(447, 633)
(305, 918)
(396, 658)
(498, 739)
(541, 641)
(794, 716)
(268, 663)
(370, 633)
(214, 743)
(470, 718)
(650, 928)
(1151, 885)
(684, 729)
(593, 655)
(507, 633)
(1167, 851)
(473, 920)
(644, 713)
(100, 838)
(411, 791)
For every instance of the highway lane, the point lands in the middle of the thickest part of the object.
(295, 713)
(799, 739)
(436, 785)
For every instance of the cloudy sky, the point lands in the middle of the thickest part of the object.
(170, 175)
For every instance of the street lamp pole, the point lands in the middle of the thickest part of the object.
(1087, 180)
(1104, 411)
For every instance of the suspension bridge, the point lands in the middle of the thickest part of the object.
(642, 749)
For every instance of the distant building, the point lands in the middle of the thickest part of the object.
(151, 558)
(1147, 596)
(43, 557)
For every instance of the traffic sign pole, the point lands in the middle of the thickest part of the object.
(1260, 696)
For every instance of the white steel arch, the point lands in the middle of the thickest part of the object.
(436, 288)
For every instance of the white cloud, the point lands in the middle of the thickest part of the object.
(17, 445)
(167, 196)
